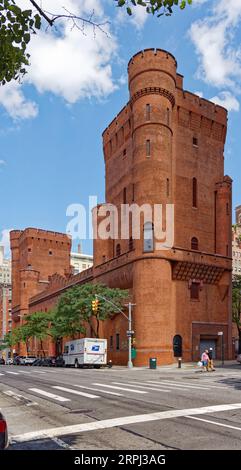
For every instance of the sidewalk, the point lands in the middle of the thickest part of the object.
(185, 366)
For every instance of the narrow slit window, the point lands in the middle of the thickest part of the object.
(195, 142)
(168, 187)
(194, 192)
(168, 116)
(148, 112)
(148, 148)
(124, 196)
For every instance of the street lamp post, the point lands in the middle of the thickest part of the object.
(130, 332)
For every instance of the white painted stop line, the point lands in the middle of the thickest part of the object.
(14, 373)
(122, 421)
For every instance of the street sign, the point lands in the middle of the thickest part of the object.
(130, 332)
(220, 333)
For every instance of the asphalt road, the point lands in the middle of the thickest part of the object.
(166, 408)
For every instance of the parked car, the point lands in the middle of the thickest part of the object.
(19, 360)
(3, 432)
(28, 361)
(9, 361)
(59, 362)
(37, 362)
(239, 358)
(48, 361)
(2, 361)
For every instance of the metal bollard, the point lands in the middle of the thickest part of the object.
(179, 363)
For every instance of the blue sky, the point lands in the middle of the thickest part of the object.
(51, 125)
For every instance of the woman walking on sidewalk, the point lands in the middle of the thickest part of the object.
(204, 360)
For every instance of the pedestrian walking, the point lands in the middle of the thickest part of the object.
(210, 360)
(204, 360)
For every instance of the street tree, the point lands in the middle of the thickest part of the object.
(18, 25)
(39, 326)
(236, 306)
(74, 310)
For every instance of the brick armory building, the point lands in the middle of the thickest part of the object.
(166, 146)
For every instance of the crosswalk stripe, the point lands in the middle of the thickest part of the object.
(49, 395)
(1, 374)
(198, 386)
(139, 385)
(174, 384)
(99, 390)
(75, 392)
(23, 372)
(120, 388)
(14, 373)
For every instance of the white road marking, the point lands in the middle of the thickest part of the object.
(49, 395)
(23, 372)
(174, 384)
(62, 443)
(39, 372)
(120, 388)
(20, 397)
(214, 422)
(75, 392)
(200, 385)
(14, 373)
(99, 390)
(139, 385)
(122, 421)
(1, 374)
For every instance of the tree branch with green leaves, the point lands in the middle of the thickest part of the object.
(17, 27)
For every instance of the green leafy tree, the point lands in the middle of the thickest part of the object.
(236, 306)
(17, 27)
(154, 7)
(74, 310)
(11, 338)
(39, 326)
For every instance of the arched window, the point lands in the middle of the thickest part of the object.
(194, 192)
(177, 346)
(148, 242)
(194, 243)
(118, 249)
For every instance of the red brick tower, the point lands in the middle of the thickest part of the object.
(36, 255)
(166, 147)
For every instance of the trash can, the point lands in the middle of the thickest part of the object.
(152, 362)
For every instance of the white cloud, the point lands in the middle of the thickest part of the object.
(67, 63)
(15, 103)
(2, 162)
(227, 100)
(199, 93)
(5, 242)
(137, 19)
(214, 39)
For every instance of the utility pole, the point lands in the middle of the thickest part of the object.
(129, 332)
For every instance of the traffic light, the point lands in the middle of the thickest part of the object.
(95, 306)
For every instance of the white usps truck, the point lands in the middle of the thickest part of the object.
(85, 352)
